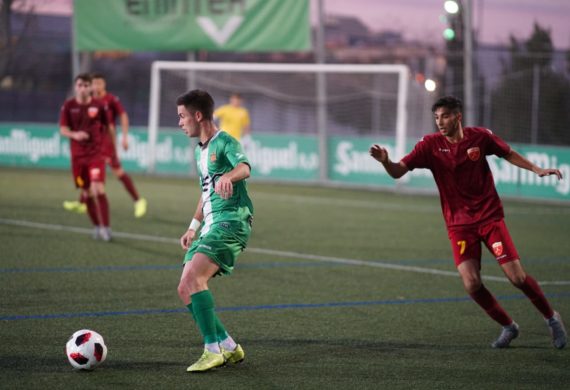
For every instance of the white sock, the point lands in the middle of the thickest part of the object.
(229, 344)
(213, 347)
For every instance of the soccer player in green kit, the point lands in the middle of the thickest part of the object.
(223, 216)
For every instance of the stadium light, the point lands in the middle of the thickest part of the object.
(430, 85)
(451, 7)
(449, 34)
(451, 18)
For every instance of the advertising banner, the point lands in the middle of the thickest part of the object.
(286, 157)
(186, 25)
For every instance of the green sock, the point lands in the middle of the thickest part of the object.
(189, 306)
(204, 311)
(220, 330)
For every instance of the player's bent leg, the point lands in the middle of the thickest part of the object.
(471, 277)
(530, 287)
(194, 279)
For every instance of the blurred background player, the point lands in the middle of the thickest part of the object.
(473, 211)
(224, 212)
(109, 149)
(84, 120)
(234, 119)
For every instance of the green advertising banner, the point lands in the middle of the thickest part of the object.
(185, 25)
(350, 162)
(279, 157)
(287, 157)
(284, 157)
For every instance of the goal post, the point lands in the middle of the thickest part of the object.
(293, 89)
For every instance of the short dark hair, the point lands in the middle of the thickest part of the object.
(83, 77)
(450, 102)
(97, 75)
(197, 100)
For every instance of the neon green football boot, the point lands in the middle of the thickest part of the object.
(73, 205)
(235, 356)
(140, 208)
(207, 361)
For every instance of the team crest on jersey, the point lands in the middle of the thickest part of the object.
(497, 248)
(474, 153)
(92, 112)
(213, 157)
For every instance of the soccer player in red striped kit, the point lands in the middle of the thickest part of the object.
(109, 150)
(84, 120)
(473, 211)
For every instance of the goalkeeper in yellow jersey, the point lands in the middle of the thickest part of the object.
(234, 119)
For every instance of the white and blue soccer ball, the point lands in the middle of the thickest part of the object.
(86, 349)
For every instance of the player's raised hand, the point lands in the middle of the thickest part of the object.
(550, 171)
(224, 187)
(187, 238)
(379, 153)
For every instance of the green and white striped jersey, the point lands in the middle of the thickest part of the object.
(219, 155)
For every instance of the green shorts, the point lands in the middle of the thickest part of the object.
(222, 244)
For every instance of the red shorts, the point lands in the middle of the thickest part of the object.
(466, 242)
(109, 153)
(87, 170)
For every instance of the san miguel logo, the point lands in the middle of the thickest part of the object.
(92, 112)
(474, 153)
(497, 248)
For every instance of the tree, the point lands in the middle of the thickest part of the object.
(528, 75)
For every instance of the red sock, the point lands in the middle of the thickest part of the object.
(83, 197)
(92, 210)
(488, 302)
(129, 186)
(104, 209)
(532, 290)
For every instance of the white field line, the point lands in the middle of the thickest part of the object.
(270, 252)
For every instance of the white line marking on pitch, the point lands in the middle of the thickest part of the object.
(271, 252)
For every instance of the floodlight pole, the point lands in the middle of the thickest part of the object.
(320, 57)
(74, 52)
(469, 111)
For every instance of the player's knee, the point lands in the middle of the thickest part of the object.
(517, 280)
(471, 283)
(183, 292)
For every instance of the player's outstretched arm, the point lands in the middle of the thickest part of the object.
(380, 154)
(520, 161)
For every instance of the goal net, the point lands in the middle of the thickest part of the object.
(323, 100)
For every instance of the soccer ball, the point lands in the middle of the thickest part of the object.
(85, 349)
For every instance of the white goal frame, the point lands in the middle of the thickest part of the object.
(401, 116)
